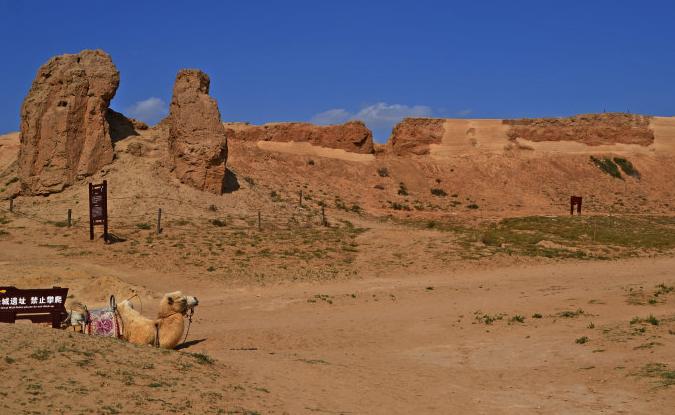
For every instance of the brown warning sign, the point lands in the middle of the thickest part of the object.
(37, 305)
(98, 208)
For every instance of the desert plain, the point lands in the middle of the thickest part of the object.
(439, 273)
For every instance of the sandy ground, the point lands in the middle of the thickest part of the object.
(414, 343)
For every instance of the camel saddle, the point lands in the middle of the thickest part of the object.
(104, 322)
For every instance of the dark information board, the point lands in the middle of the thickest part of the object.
(37, 305)
(98, 208)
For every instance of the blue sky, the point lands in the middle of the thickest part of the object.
(373, 60)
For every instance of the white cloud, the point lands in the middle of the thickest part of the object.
(465, 112)
(383, 115)
(332, 116)
(150, 110)
(380, 117)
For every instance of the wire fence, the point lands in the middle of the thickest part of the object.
(161, 218)
(73, 214)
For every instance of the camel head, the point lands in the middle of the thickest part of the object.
(176, 302)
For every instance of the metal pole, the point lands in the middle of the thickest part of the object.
(159, 221)
(91, 219)
(70, 216)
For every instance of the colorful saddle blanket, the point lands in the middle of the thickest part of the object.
(104, 321)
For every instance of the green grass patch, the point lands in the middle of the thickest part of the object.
(202, 358)
(488, 318)
(659, 372)
(627, 167)
(525, 235)
(607, 165)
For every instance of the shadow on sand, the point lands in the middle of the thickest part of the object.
(191, 343)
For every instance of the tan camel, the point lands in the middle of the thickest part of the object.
(169, 324)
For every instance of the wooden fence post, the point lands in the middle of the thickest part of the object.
(159, 221)
(323, 216)
(11, 205)
(300, 197)
(70, 217)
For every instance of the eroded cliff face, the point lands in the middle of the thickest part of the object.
(352, 136)
(64, 131)
(589, 129)
(197, 140)
(412, 136)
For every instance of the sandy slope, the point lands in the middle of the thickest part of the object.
(307, 149)
(9, 149)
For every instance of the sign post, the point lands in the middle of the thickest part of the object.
(575, 201)
(98, 208)
(39, 305)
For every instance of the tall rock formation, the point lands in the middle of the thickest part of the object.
(197, 142)
(64, 131)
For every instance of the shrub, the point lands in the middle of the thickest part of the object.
(608, 166)
(399, 206)
(472, 206)
(340, 204)
(402, 190)
(145, 226)
(218, 222)
(571, 314)
(438, 192)
(379, 187)
(582, 340)
(660, 289)
(383, 172)
(652, 320)
(627, 167)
